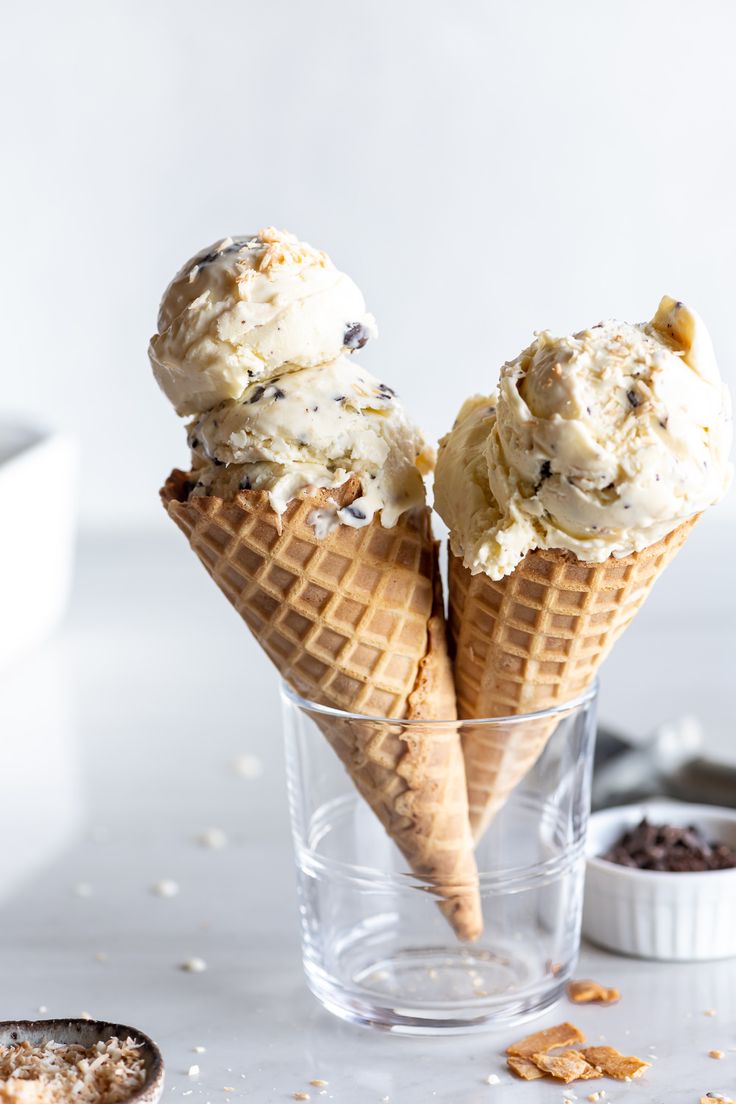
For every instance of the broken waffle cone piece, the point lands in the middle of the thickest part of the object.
(614, 1064)
(541, 1042)
(589, 992)
(571, 1065)
(532, 641)
(525, 1068)
(531, 1058)
(354, 621)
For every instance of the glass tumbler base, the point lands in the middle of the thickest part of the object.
(438, 990)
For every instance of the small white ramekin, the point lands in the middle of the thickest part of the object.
(38, 475)
(652, 914)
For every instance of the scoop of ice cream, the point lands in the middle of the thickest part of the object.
(601, 443)
(314, 427)
(239, 311)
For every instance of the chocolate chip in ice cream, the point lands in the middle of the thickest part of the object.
(356, 336)
(545, 472)
(220, 251)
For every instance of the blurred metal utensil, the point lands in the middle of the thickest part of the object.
(669, 763)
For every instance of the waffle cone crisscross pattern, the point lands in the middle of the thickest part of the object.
(353, 620)
(533, 640)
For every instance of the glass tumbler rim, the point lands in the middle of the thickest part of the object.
(304, 704)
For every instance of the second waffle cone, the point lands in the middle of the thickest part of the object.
(532, 641)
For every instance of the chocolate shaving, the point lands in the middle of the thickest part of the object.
(671, 848)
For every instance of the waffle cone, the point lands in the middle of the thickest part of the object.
(354, 621)
(534, 640)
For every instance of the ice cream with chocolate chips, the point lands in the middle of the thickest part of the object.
(240, 310)
(600, 442)
(254, 337)
(313, 427)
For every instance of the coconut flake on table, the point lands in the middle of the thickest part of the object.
(248, 766)
(167, 887)
(213, 838)
(194, 966)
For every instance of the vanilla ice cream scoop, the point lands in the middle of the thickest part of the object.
(600, 443)
(240, 310)
(314, 427)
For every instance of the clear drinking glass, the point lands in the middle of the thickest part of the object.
(377, 949)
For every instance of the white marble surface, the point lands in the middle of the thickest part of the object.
(117, 750)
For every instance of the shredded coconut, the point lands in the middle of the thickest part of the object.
(54, 1073)
(281, 249)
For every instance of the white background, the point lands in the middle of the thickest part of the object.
(482, 169)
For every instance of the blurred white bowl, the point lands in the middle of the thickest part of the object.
(38, 476)
(653, 914)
